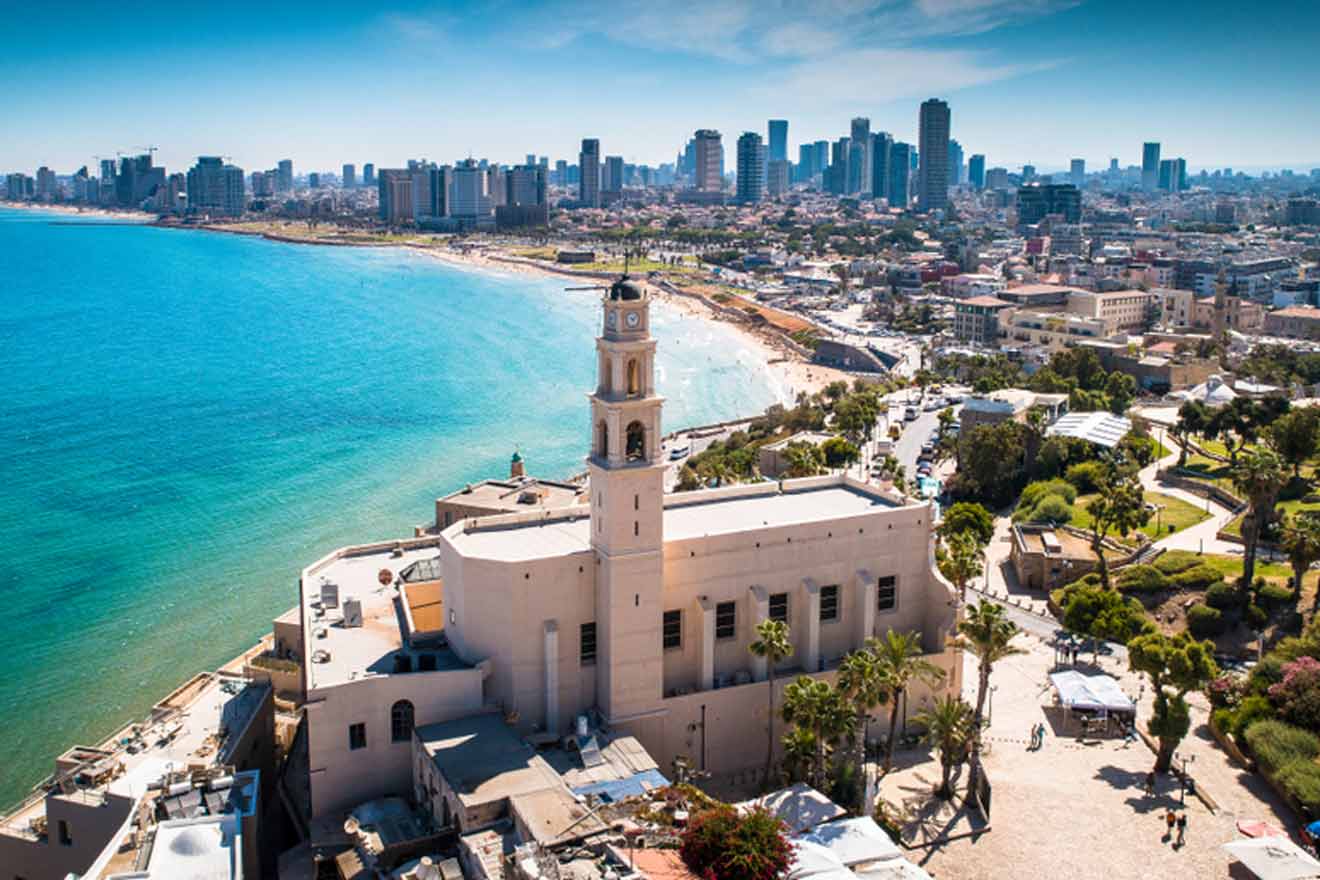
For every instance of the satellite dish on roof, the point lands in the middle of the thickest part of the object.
(385, 576)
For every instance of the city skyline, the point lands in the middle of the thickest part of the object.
(336, 84)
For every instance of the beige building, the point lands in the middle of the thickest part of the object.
(519, 492)
(1119, 311)
(1294, 322)
(634, 610)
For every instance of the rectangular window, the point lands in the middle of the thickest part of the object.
(779, 607)
(66, 836)
(886, 593)
(726, 620)
(357, 736)
(829, 603)
(673, 629)
(587, 644)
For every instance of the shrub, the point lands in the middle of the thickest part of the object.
(1220, 595)
(1198, 577)
(1256, 616)
(1247, 713)
(720, 844)
(1204, 622)
(1223, 719)
(1298, 695)
(1275, 744)
(1276, 595)
(1301, 780)
(1269, 671)
(1086, 476)
(1051, 508)
(1177, 561)
(1141, 579)
(1039, 489)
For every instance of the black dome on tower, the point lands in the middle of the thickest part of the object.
(625, 288)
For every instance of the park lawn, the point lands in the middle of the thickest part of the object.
(1289, 507)
(1174, 513)
(1231, 567)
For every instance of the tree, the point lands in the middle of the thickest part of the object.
(990, 462)
(988, 634)
(817, 708)
(901, 663)
(1193, 419)
(804, 459)
(1236, 423)
(1120, 388)
(962, 562)
(839, 453)
(862, 685)
(1294, 436)
(968, 517)
(1103, 613)
(948, 724)
(1119, 508)
(1175, 665)
(1258, 475)
(1301, 541)
(773, 645)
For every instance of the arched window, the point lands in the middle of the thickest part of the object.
(636, 445)
(602, 439)
(401, 721)
(634, 378)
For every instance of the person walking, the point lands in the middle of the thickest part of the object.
(1150, 784)
(1182, 830)
(1169, 820)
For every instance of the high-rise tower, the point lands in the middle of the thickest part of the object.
(589, 167)
(627, 505)
(933, 153)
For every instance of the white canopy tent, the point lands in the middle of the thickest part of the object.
(799, 806)
(1274, 858)
(855, 841)
(816, 862)
(1091, 693)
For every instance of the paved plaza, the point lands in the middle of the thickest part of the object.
(1077, 808)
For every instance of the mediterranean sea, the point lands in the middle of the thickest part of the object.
(188, 418)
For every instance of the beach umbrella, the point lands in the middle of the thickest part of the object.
(1313, 829)
(1261, 829)
(1274, 858)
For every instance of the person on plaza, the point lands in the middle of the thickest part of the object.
(1040, 736)
(1150, 784)
(1169, 820)
(1182, 830)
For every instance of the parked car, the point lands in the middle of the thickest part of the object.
(910, 414)
(679, 452)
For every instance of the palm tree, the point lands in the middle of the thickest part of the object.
(900, 661)
(1301, 541)
(988, 634)
(816, 707)
(772, 645)
(962, 562)
(862, 685)
(948, 726)
(1193, 418)
(1259, 475)
(804, 460)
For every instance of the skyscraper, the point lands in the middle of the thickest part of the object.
(776, 177)
(524, 197)
(900, 169)
(859, 177)
(1038, 200)
(395, 192)
(1077, 172)
(348, 179)
(612, 188)
(834, 179)
(933, 147)
(976, 171)
(1150, 165)
(881, 144)
(955, 163)
(284, 177)
(369, 174)
(778, 140)
(708, 154)
(216, 188)
(589, 168)
(751, 168)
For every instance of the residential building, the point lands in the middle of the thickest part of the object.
(635, 609)
(348, 176)
(1294, 322)
(471, 201)
(751, 168)
(708, 174)
(778, 137)
(284, 176)
(881, 144)
(369, 174)
(776, 178)
(976, 171)
(900, 173)
(859, 169)
(933, 156)
(395, 192)
(996, 178)
(955, 163)
(1240, 314)
(1173, 175)
(524, 198)
(612, 181)
(215, 187)
(1077, 172)
(589, 167)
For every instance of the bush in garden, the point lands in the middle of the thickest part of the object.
(1301, 780)
(1051, 508)
(1204, 622)
(1086, 476)
(1298, 695)
(1276, 595)
(1141, 579)
(1247, 713)
(1275, 744)
(1198, 577)
(1177, 561)
(1257, 617)
(721, 844)
(1220, 595)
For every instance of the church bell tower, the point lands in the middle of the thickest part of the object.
(627, 473)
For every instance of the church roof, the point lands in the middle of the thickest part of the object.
(625, 288)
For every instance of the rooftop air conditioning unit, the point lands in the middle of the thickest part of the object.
(352, 613)
(329, 594)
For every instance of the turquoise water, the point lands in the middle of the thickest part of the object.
(188, 418)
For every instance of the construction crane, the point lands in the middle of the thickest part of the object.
(151, 150)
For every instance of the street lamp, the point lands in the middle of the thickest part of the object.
(990, 716)
(1182, 777)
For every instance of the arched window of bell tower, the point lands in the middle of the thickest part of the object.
(606, 380)
(602, 440)
(635, 448)
(634, 378)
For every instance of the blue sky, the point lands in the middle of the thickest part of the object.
(1220, 83)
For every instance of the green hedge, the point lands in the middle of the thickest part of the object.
(1174, 562)
(1198, 577)
(1141, 579)
(1301, 780)
(1275, 745)
(1220, 595)
(1275, 594)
